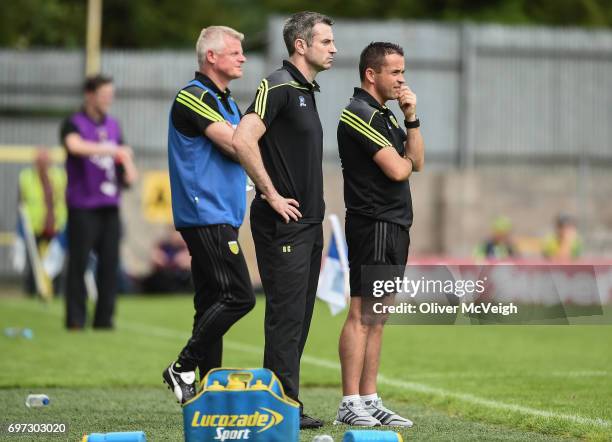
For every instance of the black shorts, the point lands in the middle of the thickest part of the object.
(374, 242)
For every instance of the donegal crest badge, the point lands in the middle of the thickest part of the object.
(234, 247)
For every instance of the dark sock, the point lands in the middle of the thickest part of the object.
(182, 366)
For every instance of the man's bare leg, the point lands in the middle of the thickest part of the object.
(369, 373)
(352, 348)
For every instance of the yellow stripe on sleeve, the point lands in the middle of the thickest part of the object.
(211, 114)
(361, 126)
(261, 99)
(366, 134)
(197, 110)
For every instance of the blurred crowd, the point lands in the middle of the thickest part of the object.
(562, 243)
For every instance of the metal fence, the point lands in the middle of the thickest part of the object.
(43, 83)
(487, 94)
(484, 91)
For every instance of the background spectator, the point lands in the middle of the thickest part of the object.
(171, 266)
(41, 194)
(564, 243)
(500, 244)
(98, 165)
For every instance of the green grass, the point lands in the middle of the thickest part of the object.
(455, 382)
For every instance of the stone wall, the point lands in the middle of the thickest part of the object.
(453, 210)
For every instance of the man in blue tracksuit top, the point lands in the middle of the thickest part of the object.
(208, 203)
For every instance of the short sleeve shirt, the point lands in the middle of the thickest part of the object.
(292, 146)
(195, 109)
(92, 181)
(67, 127)
(365, 127)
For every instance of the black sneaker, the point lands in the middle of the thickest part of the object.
(182, 384)
(309, 422)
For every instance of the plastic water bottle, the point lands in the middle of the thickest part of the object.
(37, 400)
(323, 438)
(371, 436)
(129, 436)
(27, 333)
(12, 332)
(16, 332)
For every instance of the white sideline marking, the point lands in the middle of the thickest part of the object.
(423, 388)
(411, 386)
(492, 403)
(506, 375)
(163, 332)
(580, 374)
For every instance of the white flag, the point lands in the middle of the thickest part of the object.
(19, 252)
(53, 261)
(333, 285)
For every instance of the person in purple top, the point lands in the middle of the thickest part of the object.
(98, 165)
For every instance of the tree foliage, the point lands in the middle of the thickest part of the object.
(168, 24)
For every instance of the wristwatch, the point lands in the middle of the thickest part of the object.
(412, 124)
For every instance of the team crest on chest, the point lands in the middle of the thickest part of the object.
(234, 247)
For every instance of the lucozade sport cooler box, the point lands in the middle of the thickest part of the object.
(243, 405)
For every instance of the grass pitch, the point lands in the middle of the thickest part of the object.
(534, 383)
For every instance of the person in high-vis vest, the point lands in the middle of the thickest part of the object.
(41, 193)
(208, 187)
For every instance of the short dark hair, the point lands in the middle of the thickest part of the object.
(563, 219)
(94, 82)
(373, 56)
(300, 25)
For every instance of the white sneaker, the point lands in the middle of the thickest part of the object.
(353, 413)
(377, 410)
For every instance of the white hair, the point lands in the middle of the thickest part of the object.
(211, 39)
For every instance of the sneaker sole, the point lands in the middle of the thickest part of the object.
(168, 383)
(171, 391)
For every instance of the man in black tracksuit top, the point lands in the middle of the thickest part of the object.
(378, 157)
(288, 208)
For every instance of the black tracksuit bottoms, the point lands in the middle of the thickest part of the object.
(223, 292)
(289, 260)
(95, 230)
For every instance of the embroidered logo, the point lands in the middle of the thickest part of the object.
(233, 246)
(286, 249)
(302, 101)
